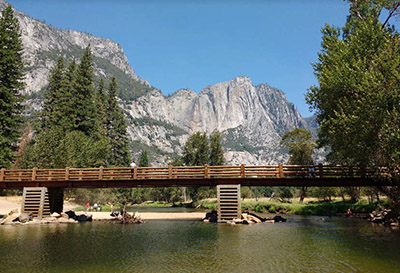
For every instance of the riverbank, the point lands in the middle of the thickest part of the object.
(310, 207)
(99, 216)
(338, 208)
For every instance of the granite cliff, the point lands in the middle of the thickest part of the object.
(251, 118)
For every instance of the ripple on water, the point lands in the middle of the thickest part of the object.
(305, 244)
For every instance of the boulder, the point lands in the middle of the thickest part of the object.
(212, 216)
(55, 214)
(278, 218)
(71, 214)
(24, 217)
(395, 224)
(378, 219)
(64, 215)
(84, 218)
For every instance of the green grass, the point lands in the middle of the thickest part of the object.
(321, 208)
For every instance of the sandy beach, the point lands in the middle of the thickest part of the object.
(14, 202)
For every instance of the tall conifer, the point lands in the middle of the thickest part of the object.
(85, 112)
(216, 151)
(116, 129)
(11, 83)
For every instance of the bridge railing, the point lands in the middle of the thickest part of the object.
(193, 172)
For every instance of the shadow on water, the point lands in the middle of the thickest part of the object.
(303, 244)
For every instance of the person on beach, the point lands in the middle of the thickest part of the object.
(95, 207)
(87, 206)
(349, 213)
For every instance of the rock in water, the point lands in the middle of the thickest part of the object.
(279, 219)
(24, 217)
(71, 214)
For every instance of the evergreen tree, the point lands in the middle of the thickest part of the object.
(57, 107)
(196, 150)
(116, 129)
(101, 106)
(216, 151)
(85, 112)
(144, 159)
(11, 83)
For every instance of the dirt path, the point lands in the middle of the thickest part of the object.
(8, 203)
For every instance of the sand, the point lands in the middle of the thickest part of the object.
(9, 203)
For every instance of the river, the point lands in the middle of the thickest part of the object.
(303, 244)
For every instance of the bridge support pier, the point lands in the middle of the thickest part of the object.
(228, 202)
(42, 201)
(56, 199)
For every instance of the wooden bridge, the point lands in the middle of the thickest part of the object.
(268, 175)
(44, 188)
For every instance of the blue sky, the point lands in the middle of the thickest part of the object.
(192, 44)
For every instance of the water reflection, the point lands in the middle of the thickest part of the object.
(304, 244)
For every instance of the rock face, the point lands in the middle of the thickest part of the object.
(251, 118)
(43, 44)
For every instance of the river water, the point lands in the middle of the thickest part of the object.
(303, 244)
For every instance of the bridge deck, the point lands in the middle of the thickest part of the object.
(268, 175)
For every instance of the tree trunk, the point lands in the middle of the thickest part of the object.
(303, 192)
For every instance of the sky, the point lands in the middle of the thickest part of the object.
(176, 44)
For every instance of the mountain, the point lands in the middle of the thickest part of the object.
(252, 119)
(44, 44)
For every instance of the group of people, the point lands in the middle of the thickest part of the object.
(96, 207)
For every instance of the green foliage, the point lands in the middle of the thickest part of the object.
(301, 146)
(196, 150)
(216, 151)
(144, 159)
(116, 129)
(78, 127)
(321, 209)
(11, 83)
(177, 131)
(83, 87)
(357, 99)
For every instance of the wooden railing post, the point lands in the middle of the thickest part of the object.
(281, 175)
(2, 174)
(34, 174)
(143, 173)
(206, 173)
(170, 172)
(351, 172)
(321, 170)
(66, 173)
(363, 171)
(242, 171)
(101, 171)
(135, 172)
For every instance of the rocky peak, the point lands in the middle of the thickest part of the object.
(44, 44)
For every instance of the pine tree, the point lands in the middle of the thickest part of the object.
(144, 159)
(11, 83)
(196, 150)
(85, 112)
(216, 151)
(101, 106)
(116, 129)
(57, 108)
